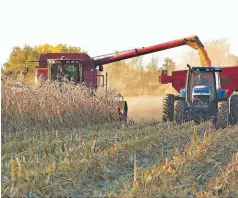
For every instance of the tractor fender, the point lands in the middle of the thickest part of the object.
(234, 109)
(223, 99)
(221, 94)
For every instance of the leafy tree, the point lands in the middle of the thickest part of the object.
(57, 49)
(169, 65)
(152, 66)
(18, 59)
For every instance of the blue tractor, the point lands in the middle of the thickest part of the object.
(201, 97)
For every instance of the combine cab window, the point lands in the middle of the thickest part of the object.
(66, 72)
(72, 71)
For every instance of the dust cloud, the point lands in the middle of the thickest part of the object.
(145, 108)
(219, 59)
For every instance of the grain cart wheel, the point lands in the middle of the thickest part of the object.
(168, 108)
(179, 111)
(234, 109)
(222, 118)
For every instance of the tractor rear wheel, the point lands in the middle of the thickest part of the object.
(234, 109)
(222, 118)
(168, 108)
(179, 111)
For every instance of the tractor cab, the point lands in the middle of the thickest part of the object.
(64, 70)
(202, 84)
(202, 90)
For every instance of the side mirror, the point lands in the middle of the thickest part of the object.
(99, 68)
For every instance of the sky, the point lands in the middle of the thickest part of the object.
(102, 27)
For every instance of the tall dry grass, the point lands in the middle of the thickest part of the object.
(51, 105)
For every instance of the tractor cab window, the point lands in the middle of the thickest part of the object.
(202, 78)
(203, 84)
(65, 72)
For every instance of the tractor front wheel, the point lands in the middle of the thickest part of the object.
(222, 118)
(168, 108)
(234, 109)
(179, 111)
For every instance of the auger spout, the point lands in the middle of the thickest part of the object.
(192, 41)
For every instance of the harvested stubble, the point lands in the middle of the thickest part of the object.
(91, 161)
(188, 172)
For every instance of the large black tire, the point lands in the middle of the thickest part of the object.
(234, 109)
(179, 111)
(168, 108)
(222, 118)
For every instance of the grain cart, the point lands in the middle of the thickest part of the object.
(205, 93)
(81, 68)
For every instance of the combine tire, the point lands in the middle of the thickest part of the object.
(222, 119)
(234, 109)
(168, 108)
(179, 111)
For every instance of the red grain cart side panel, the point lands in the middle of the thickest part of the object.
(229, 79)
(178, 79)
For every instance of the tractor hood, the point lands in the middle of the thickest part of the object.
(201, 90)
(200, 98)
(201, 94)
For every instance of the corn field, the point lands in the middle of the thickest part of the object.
(52, 105)
(69, 143)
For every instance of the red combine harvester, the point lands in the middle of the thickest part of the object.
(81, 68)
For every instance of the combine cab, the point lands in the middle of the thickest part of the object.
(205, 93)
(64, 67)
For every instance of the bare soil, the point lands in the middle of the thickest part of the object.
(144, 107)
